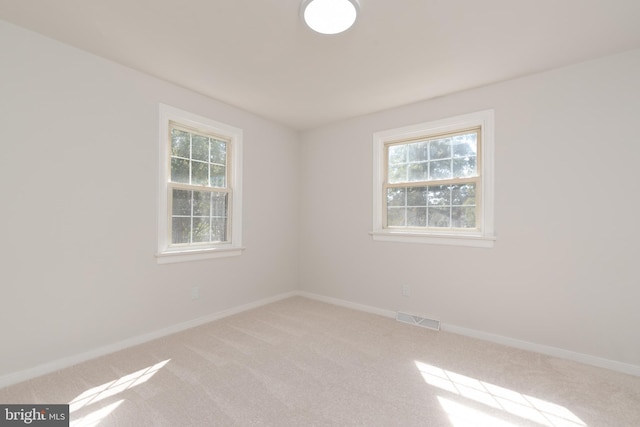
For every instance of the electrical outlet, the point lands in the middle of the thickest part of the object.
(406, 290)
(195, 292)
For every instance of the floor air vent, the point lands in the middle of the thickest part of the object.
(418, 321)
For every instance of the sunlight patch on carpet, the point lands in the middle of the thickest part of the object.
(96, 417)
(109, 389)
(479, 392)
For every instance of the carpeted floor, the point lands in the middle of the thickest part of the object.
(300, 362)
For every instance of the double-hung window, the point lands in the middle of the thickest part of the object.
(433, 182)
(200, 187)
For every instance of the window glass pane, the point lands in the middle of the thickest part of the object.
(439, 195)
(439, 217)
(465, 145)
(219, 229)
(218, 152)
(396, 196)
(180, 170)
(440, 169)
(200, 148)
(218, 176)
(397, 154)
(219, 218)
(417, 196)
(418, 171)
(432, 206)
(417, 217)
(208, 223)
(180, 230)
(181, 202)
(201, 230)
(396, 217)
(464, 194)
(463, 216)
(397, 173)
(219, 205)
(418, 152)
(180, 143)
(440, 149)
(201, 203)
(464, 167)
(199, 173)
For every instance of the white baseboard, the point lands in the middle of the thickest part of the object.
(347, 304)
(587, 359)
(56, 365)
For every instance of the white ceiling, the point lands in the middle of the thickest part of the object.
(259, 56)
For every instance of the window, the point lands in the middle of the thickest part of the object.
(200, 208)
(433, 182)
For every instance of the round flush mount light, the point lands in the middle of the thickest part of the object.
(329, 16)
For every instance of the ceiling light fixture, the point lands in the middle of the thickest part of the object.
(329, 16)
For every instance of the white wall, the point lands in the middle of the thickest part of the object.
(78, 166)
(564, 270)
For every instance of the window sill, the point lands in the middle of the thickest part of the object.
(169, 257)
(475, 241)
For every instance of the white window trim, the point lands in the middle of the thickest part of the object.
(485, 237)
(167, 254)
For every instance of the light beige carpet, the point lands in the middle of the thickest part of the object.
(299, 362)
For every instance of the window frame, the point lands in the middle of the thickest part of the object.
(168, 252)
(483, 235)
